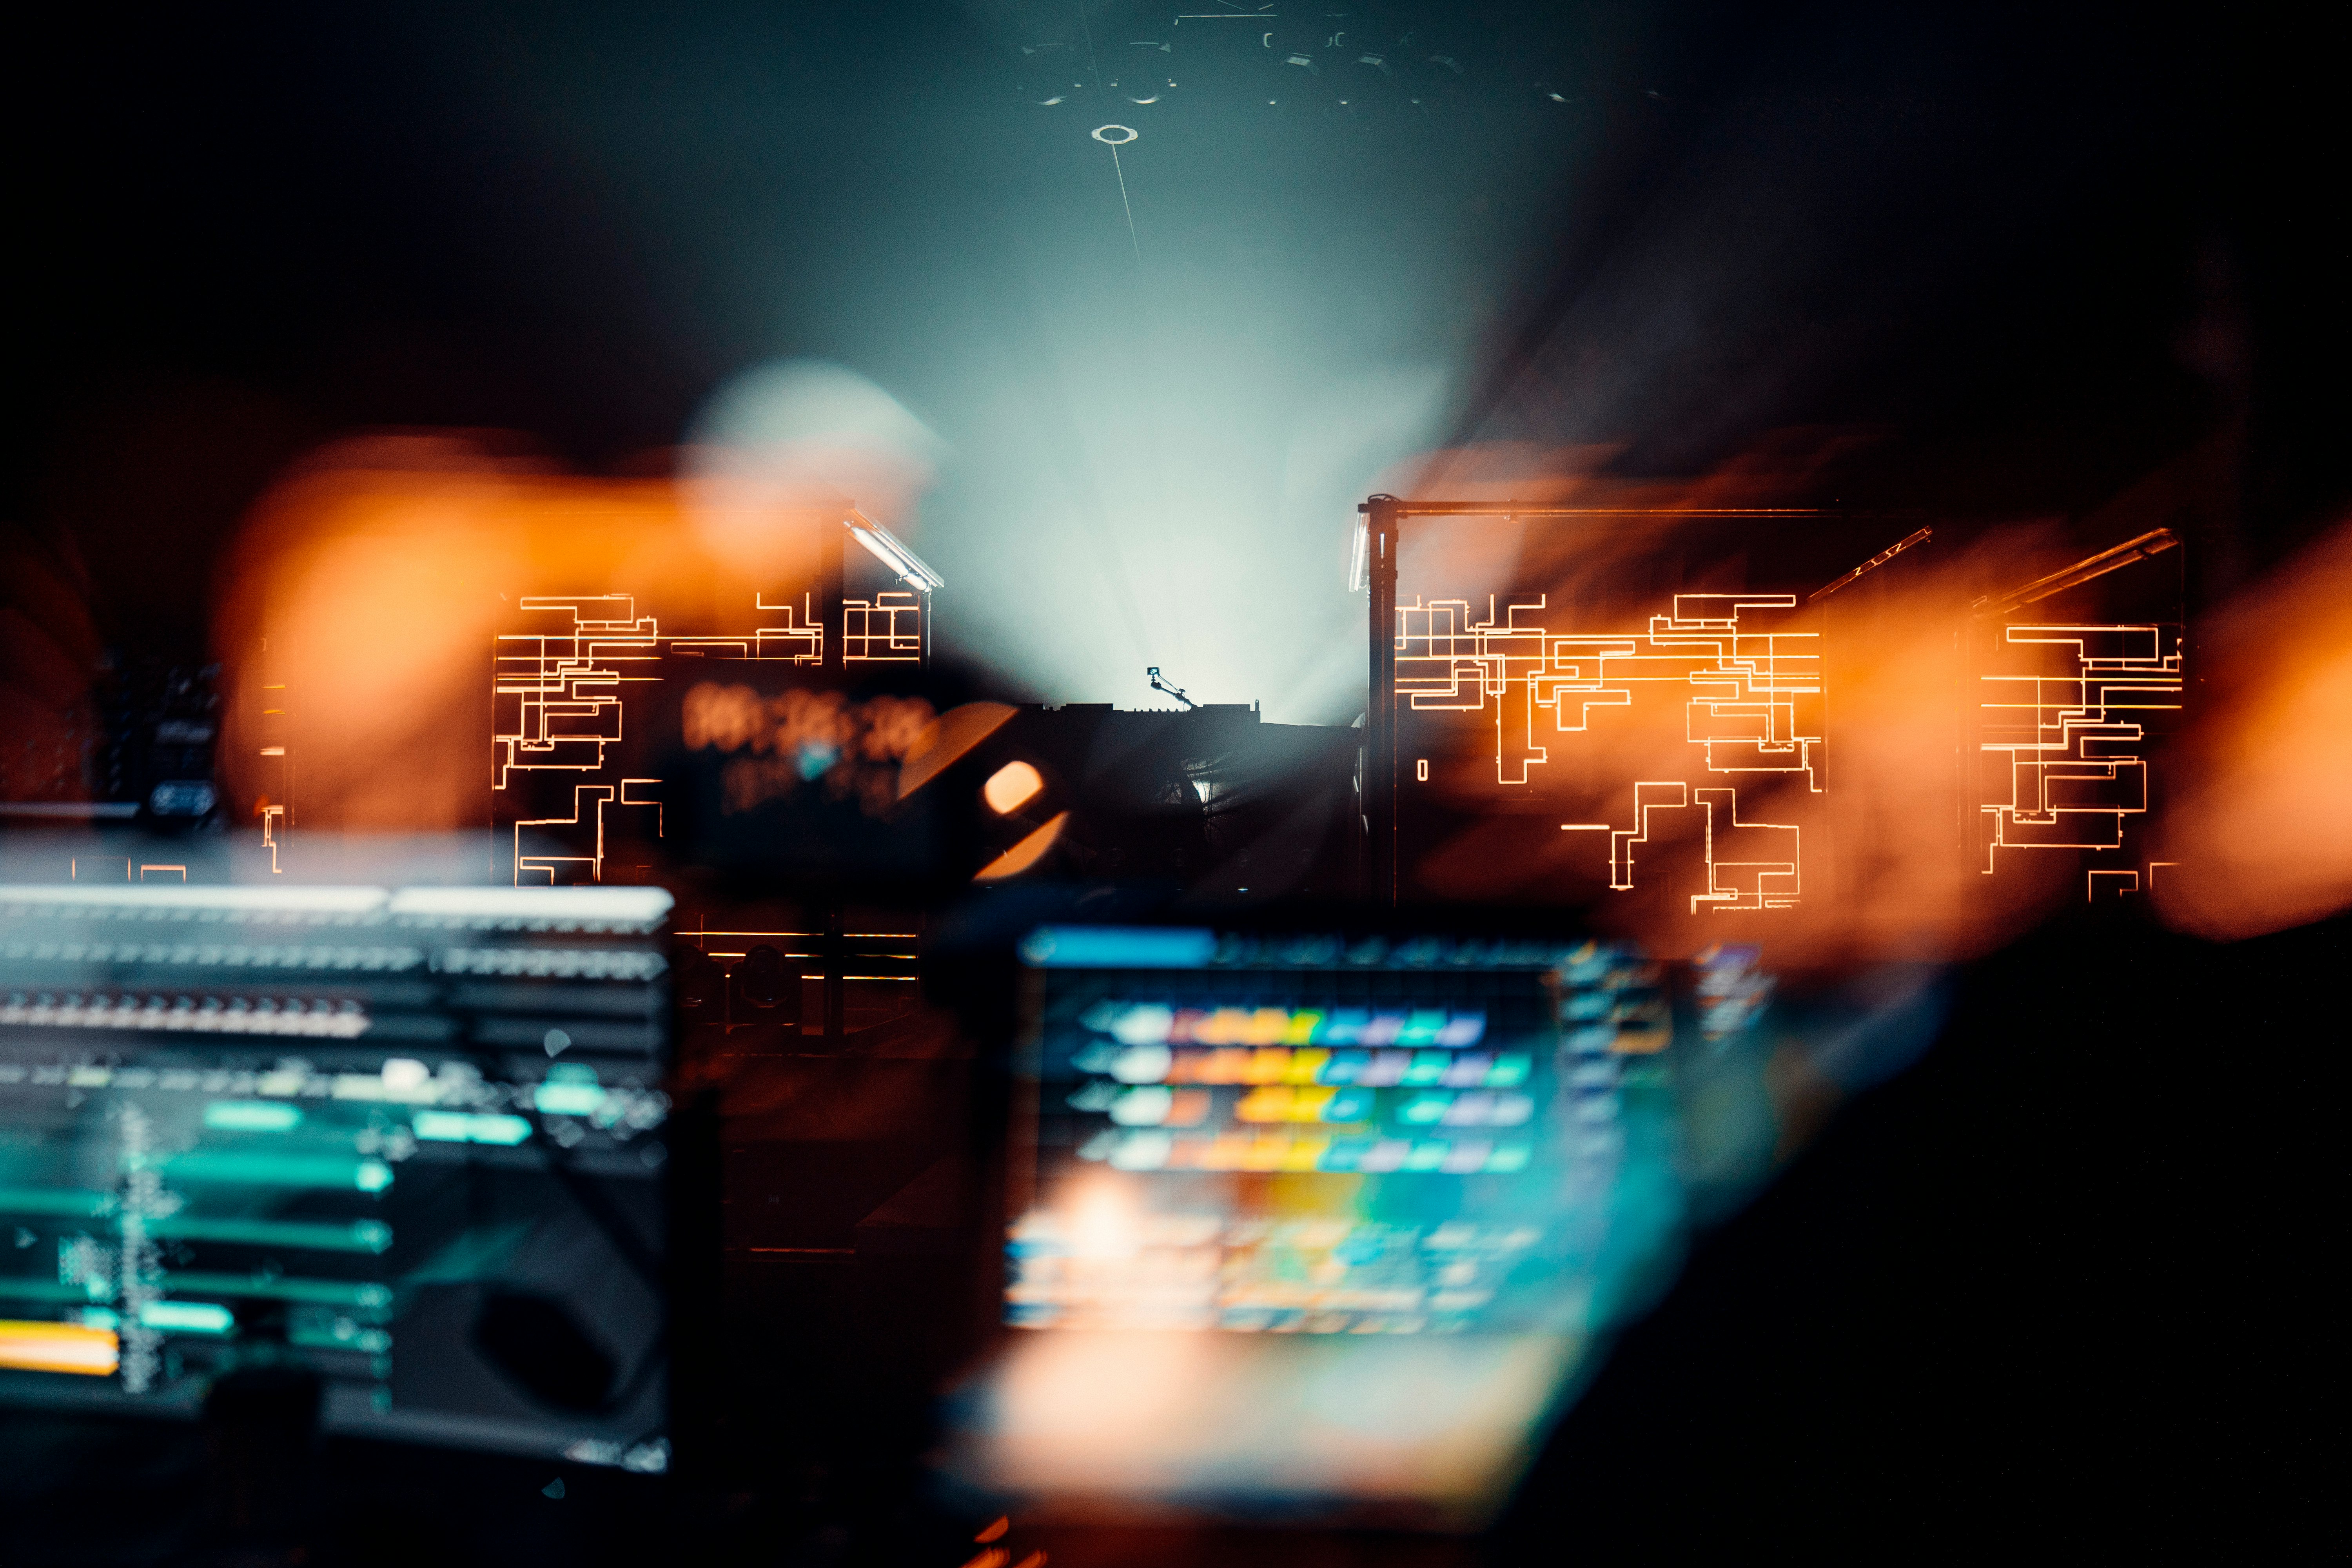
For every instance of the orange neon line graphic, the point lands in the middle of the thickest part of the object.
(2071, 742)
(2129, 880)
(560, 694)
(1749, 701)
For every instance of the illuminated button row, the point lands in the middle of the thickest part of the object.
(552, 962)
(1634, 1037)
(1153, 1151)
(212, 954)
(231, 1015)
(1156, 1106)
(1194, 1291)
(1048, 1232)
(1429, 1108)
(1152, 1024)
(1278, 1064)
(1038, 1309)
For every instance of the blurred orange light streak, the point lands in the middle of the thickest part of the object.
(1023, 854)
(948, 738)
(59, 1347)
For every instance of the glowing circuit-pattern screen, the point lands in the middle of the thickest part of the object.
(1678, 756)
(1318, 1136)
(411, 1142)
(2068, 715)
(885, 629)
(571, 698)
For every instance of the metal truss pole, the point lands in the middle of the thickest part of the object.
(1381, 515)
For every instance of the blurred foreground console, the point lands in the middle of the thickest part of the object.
(403, 1148)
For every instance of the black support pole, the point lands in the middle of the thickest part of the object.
(836, 969)
(831, 534)
(1381, 519)
(833, 587)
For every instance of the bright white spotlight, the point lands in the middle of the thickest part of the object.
(800, 436)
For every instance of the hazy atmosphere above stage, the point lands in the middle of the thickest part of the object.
(2000, 263)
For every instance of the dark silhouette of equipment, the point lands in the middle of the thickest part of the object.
(699, 983)
(542, 1350)
(261, 1441)
(1160, 683)
(762, 980)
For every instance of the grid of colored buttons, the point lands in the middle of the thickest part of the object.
(1157, 1151)
(1155, 1105)
(1278, 1064)
(1155, 1024)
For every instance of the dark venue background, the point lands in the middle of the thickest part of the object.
(2053, 1288)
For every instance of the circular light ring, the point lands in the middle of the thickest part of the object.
(1132, 134)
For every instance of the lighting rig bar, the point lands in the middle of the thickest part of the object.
(2156, 541)
(892, 552)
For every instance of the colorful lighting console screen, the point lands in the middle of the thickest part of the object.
(1323, 1136)
(1335, 1225)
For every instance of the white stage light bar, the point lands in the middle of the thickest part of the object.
(892, 553)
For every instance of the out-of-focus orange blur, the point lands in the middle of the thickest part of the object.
(2261, 830)
(356, 618)
(1438, 1425)
(1889, 871)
